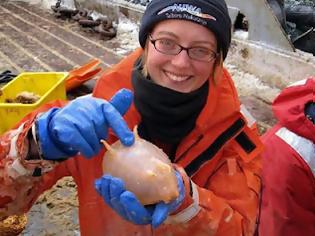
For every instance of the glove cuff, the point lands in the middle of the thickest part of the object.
(188, 190)
(49, 148)
(190, 205)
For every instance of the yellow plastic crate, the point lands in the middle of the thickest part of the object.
(48, 85)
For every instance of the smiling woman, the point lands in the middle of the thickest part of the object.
(177, 69)
(183, 100)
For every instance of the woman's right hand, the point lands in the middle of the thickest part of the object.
(128, 206)
(80, 125)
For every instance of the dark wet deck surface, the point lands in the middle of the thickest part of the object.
(33, 39)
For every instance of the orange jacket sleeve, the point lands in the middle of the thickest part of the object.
(21, 180)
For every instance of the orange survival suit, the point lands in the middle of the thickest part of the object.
(221, 156)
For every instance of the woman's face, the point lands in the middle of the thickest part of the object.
(180, 72)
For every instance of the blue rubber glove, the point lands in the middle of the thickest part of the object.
(126, 204)
(81, 124)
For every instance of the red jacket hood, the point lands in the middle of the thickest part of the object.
(289, 106)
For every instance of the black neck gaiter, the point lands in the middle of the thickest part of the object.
(167, 115)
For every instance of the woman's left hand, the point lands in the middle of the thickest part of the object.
(126, 204)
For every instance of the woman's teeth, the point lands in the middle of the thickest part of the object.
(177, 78)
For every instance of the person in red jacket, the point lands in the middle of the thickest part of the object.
(177, 92)
(288, 199)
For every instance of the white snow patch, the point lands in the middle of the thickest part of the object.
(251, 85)
(241, 34)
(127, 35)
(48, 3)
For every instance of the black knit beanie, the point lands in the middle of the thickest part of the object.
(213, 14)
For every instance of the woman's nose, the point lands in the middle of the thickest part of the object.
(182, 59)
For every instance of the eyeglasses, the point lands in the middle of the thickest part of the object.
(170, 47)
